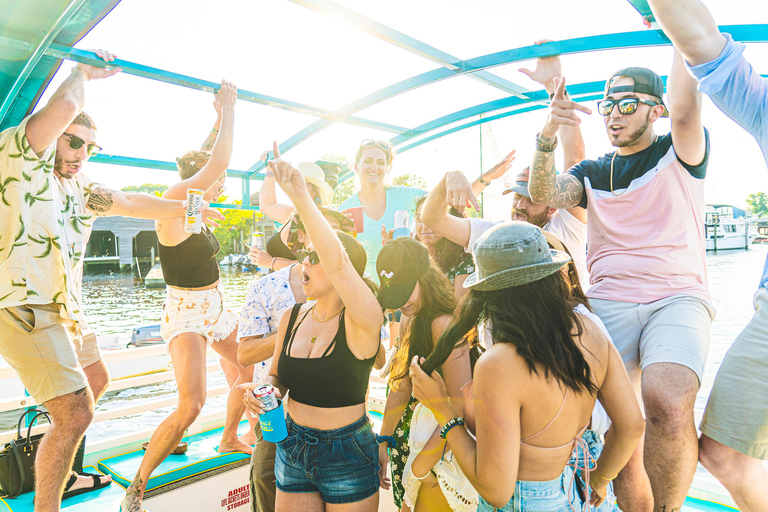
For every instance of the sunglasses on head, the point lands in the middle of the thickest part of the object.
(627, 106)
(369, 143)
(76, 142)
(301, 255)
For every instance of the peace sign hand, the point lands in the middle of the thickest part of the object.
(562, 112)
(287, 176)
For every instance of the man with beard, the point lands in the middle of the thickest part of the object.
(46, 214)
(646, 259)
(568, 225)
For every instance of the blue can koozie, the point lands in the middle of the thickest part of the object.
(273, 427)
(401, 232)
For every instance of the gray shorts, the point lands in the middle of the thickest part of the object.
(737, 410)
(671, 330)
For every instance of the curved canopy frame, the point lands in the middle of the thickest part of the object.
(36, 55)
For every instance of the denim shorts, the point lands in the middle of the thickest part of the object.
(341, 464)
(560, 494)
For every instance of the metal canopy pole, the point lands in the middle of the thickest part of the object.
(406, 42)
(65, 52)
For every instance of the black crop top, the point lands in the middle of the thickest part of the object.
(192, 263)
(336, 379)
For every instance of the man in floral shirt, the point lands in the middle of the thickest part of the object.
(46, 211)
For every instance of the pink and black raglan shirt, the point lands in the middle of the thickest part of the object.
(647, 243)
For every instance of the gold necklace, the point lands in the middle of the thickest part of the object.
(312, 312)
(612, 159)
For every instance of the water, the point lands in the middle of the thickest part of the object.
(114, 303)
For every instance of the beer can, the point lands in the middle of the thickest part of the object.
(194, 219)
(267, 396)
(257, 240)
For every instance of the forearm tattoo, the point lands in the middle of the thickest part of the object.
(210, 141)
(546, 187)
(100, 200)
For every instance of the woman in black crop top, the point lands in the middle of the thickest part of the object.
(195, 314)
(323, 359)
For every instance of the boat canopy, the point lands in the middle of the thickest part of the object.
(37, 35)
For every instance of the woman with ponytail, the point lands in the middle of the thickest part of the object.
(535, 388)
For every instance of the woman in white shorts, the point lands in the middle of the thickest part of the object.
(195, 314)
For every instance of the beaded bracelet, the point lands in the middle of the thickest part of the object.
(458, 420)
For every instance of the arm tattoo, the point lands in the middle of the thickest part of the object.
(100, 200)
(210, 141)
(546, 187)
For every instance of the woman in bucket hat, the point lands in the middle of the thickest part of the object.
(536, 386)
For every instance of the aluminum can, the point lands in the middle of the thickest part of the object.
(257, 240)
(194, 219)
(267, 396)
(401, 225)
(401, 219)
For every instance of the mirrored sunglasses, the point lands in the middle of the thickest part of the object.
(627, 106)
(301, 255)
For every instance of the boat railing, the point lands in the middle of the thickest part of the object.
(132, 441)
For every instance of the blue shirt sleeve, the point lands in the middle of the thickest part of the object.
(737, 89)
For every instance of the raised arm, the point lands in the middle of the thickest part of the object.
(211, 139)
(435, 214)
(691, 28)
(222, 148)
(363, 311)
(268, 204)
(47, 125)
(545, 186)
(105, 201)
(494, 173)
(547, 70)
(688, 136)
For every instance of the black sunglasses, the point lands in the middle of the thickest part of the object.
(76, 142)
(627, 106)
(301, 255)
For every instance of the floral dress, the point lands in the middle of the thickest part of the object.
(398, 455)
(465, 267)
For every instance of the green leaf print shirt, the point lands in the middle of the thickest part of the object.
(33, 267)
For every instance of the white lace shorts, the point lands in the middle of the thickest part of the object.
(204, 312)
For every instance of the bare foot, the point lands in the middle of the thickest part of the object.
(234, 446)
(248, 438)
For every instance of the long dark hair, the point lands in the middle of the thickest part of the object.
(447, 254)
(537, 318)
(437, 299)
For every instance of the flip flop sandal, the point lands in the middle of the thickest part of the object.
(179, 450)
(97, 484)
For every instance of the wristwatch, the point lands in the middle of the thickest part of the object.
(483, 182)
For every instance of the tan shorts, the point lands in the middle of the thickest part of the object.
(44, 351)
(737, 411)
(204, 312)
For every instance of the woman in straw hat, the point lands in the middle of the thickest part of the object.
(536, 387)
